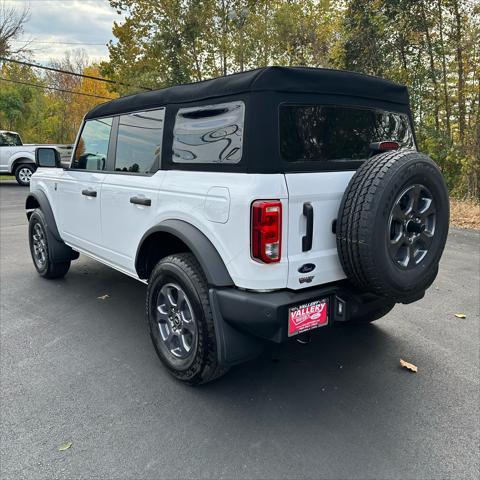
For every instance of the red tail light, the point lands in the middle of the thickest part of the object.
(384, 146)
(267, 230)
(389, 146)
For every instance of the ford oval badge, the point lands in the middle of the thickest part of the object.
(307, 267)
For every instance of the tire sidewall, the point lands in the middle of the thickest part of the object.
(37, 217)
(17, 171)
(416, 169)
(169, 272)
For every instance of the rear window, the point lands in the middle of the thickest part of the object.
(322, 133)
(10, 139)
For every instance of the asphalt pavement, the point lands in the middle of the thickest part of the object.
(76, 368)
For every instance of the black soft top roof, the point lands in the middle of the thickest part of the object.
(268, 79)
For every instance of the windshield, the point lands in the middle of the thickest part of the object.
(10, 139)
(332, 133)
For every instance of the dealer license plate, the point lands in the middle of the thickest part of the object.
(307, 316)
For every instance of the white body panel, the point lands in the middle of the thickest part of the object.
(8, 156)
(324, 192)
(80, 221)
(190, 196)
(110, 228)
(124, 223)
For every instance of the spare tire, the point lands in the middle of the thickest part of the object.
(392, 224)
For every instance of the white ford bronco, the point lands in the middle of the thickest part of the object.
(256, 207)
(18, 158)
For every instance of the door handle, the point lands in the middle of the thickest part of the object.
(308, 238)
(141, 201)
(89, 193)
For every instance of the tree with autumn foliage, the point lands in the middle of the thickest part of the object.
(431, 46)
(49, 107)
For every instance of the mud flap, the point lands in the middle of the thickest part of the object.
(57, 249)
(233, 346)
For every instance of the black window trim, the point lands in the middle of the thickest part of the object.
(330, 165)
(112, 146)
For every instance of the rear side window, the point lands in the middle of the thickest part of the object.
(92, 147)
(139, 141)
(209, 134)
(334, 133)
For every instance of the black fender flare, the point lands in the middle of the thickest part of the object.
(203, 249)
(39, 198)
(58, 250)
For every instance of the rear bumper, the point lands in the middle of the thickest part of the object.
(244, 319)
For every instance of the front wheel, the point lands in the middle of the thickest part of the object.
(23, 174)
(38, 240)
(180, 320)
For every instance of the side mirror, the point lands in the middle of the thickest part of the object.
(47, 157)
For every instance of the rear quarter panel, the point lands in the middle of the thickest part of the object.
(218, 204)
(20, 153)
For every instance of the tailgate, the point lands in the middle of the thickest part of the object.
(323, 191)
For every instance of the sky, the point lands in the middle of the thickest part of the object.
(80, 23)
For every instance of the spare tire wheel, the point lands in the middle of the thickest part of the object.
(393, 224)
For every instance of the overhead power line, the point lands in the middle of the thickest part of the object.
(50, 1)
(60, 43)
(91, 77)
(36, 85)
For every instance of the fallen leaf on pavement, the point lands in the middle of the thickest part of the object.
(409, 366)
(64, 446)
(460, 315)
(103, 297)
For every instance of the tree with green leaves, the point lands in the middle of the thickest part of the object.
(176, 41)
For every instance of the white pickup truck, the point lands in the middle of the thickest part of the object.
(19, 159)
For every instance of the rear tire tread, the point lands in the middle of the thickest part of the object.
(356, 217)
(207, 366)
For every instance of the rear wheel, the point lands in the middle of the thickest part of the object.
(23, 174)
(180, 320)
(38, 240)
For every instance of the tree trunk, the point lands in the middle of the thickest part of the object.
(432, 65)
(460, 70)
(475, 188)
(444, 72)
(198, 69)
(224, 36)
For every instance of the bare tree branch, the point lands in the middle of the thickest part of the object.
(12, 21)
